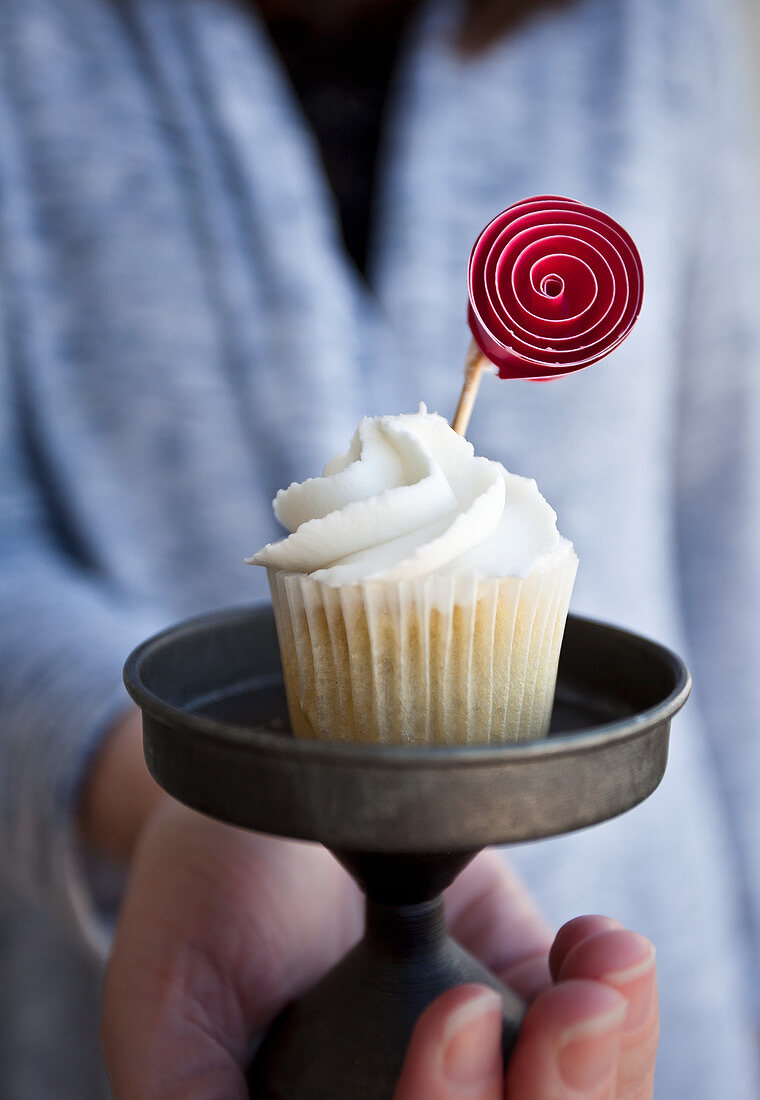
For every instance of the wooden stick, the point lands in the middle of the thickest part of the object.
(474, 365)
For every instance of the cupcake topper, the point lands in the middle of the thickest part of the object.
(554, 286)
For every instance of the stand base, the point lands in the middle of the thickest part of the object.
(347, 1037)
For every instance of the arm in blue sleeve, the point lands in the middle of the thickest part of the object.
(64, 634)
(718, 489)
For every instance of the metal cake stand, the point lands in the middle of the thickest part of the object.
(403, 821)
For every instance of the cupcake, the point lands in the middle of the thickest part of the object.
(422, 594)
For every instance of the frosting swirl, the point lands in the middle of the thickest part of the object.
(407, 499)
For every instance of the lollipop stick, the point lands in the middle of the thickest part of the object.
(474, 365)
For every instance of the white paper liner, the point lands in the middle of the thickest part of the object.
(447, 659)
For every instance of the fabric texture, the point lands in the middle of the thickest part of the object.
(183, 333)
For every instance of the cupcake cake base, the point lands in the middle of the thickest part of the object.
(442, 660)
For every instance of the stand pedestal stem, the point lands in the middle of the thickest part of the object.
(348, 1036)
(405, 931)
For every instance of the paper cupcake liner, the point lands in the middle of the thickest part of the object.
(447, 659)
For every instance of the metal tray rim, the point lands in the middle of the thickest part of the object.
(251, 738)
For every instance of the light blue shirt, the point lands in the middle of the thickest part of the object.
(182, 334)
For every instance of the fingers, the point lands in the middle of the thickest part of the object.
(493, 915)
(455, 1051)
(531, 976)
(592, 1036)
(568, 1049)
(569, 1045)
(623, 961)
(573, 933)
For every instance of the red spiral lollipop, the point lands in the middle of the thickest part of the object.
(554, 286)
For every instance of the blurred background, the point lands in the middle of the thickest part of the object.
(753, 14)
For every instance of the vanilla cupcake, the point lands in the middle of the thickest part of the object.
(422, 595)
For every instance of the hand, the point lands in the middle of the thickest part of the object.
(590, 1034)
(220, 928)
(119, 794)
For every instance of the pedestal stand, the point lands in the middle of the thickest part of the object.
(403, 821)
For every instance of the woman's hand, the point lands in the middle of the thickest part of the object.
(590, 1034)
(220, 928)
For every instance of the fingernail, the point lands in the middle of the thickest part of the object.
(472, 1041)
(637, 984)
(589, 1050)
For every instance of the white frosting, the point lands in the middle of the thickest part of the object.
(410, 498)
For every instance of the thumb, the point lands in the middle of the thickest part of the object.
(455, 1050)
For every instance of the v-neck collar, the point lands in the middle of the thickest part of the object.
(342, 79)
